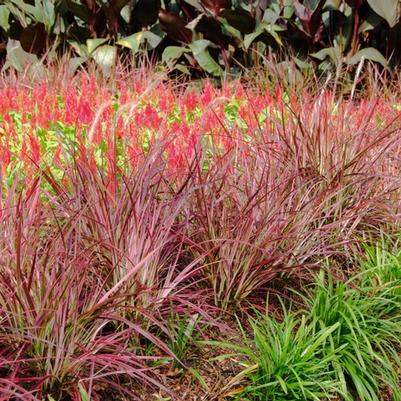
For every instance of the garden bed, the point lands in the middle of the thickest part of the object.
(162, 241)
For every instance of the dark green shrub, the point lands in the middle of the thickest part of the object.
(210, 36)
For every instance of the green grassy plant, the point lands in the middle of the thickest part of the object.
(183, 334)
(381, 271)
(343, 344)
(285, 359)
(367, 338)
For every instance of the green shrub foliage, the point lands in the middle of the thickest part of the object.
(205, 36)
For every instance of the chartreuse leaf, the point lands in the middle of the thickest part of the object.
(249, 39)
(332, 52)
(93, 44)
(264, 27)
(332, 4)
(135, 41)
(182, 68)
(387, 9)
(369, 53)
(173, 53)
(200, 51)
(29, 9)
(43, 11)
(4, 15)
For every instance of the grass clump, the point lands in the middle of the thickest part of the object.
(365, 339)
(287, 360)
(342, 344)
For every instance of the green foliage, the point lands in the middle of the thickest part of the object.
(291, 364)
(286, 360)
(182, 334)
(368, 334)
(382, 274)
(206, 35)
(342, 344)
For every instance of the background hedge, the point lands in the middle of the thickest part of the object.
(204, 36)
